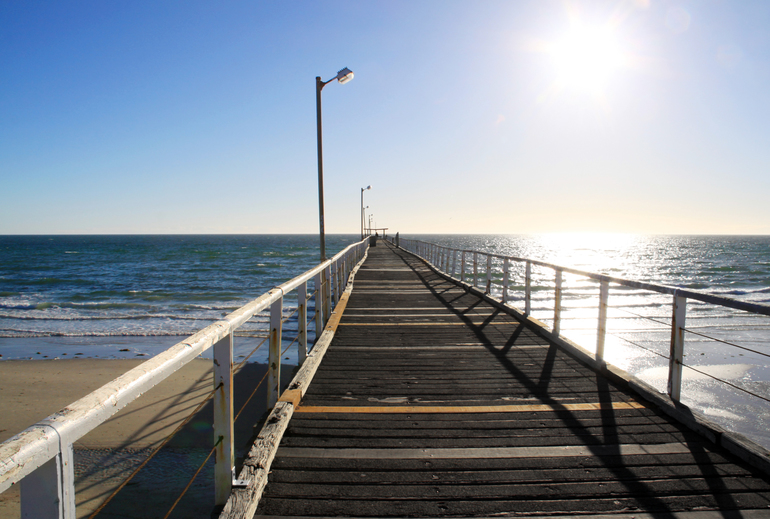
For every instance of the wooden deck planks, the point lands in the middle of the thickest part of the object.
(526, 428)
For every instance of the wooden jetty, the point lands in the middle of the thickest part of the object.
(431, 401)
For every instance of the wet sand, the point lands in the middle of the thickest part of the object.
(32, 390)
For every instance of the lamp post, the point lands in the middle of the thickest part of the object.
(343, 76)
(362, 209)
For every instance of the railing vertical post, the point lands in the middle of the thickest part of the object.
(50, 490)
(601, 332)
(274, 364)
(677, 347)
(475, 268)
(557, 304)
(528, 289)
(318, 304)
(462, 267)
(489, 274)
(224, 465)
(506, 274)
(327, 294)
(302, 323)
(454, 262)
(336, 273)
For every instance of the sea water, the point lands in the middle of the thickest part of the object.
(128, 296)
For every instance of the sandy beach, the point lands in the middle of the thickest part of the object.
(32, 390)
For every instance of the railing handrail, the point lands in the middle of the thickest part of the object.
(23, 453)
(705, 297)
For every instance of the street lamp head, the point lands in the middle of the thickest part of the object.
(365, 188)
(344, 75)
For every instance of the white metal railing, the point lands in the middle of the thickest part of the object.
(41, 456)
(454, 262)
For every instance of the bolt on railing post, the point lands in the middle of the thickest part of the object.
(528, 289)
(677, 347)
(489, 274)
(557, 304)
(274, 363)
(49, 491)
(302, 323)
(506, 274)
(601, 332)
(475, 268)
(224, 465)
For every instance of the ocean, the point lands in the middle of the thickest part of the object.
(128, 296)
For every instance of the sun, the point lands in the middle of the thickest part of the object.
(586, 58)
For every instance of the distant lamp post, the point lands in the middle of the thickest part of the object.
(343, 76)
(362, 209)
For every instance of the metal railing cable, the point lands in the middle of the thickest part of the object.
(744, 390)
(154, 452)
(241, 363)
(192, 480)
(640, 346)
(699, 334)
(290, 345)
(744, 348)
(214, 448)
(176, 430)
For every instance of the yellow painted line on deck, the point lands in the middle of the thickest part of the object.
(427, 323)
(334, 320)
(469, 409)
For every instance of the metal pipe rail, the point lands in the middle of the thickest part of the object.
(446, 259)
(41, 456)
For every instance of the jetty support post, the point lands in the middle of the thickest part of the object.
(49, 491)
(677, 347)
(327, 294)
(336, 277)
(489, 274)
(557, 303)
(601, 332)
(274, 363)
(224, 466)
(506, 274)
(302, 322)
(528, 289)
(318, 303)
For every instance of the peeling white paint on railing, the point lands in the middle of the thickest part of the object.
(431, 252)
(40, 457)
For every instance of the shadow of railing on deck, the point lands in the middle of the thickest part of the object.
(640, 491)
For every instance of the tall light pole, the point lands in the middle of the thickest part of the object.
(343, 76)
(362, 209)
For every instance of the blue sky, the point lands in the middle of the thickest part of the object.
(467, 117)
